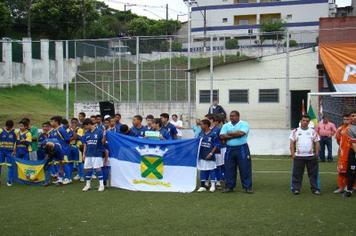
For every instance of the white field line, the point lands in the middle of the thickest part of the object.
(288, 172)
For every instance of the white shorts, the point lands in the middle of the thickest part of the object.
(93, 162)
(206, 165)
(220, 158)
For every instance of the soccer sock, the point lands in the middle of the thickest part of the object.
(81, 170)
(218, 173)
(10, 174)
(68, 170)
(212, 176)
(99, 174)
(204, 175)
(88, 174)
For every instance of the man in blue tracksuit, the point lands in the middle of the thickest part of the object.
(237, 154)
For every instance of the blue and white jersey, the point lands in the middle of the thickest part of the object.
(93, 141)
(118, 125)
(208, 142)
(101, 126)
(57, 153)
(63, 137)
(165, 134)
(138, 132)
(216, 130)
(113, 130)
(171, 129)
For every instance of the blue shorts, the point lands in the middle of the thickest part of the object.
(6, 158)
(74, 154)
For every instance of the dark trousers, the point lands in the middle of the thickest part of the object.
(325, 141)
(298, 172)
(238, 156)
(351, 170)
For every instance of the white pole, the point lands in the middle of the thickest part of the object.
(67, 80)
(288, 100)
(170, 69)
(211, 70)
(189, 64)
(120, 68)
(95, 71)
(137, 74)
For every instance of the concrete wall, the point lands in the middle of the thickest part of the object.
(128, 110)
(267, 73)
(49, 73)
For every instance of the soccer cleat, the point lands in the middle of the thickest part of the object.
(93, 176)
(101, 188)
(67, 181)
(338, 190)
(227, 190)
(201, 189)
(347, 194)
(77, 177)
(296, 192)
(82, 179)
(58, 181)
(8, 184)
(316, 192)
(86, 188)
(212, 188)
(249, 191)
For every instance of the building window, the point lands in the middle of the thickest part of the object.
(268, 95)
(238, 96)
(250, 31)
(243, 22)
(224, 20)
(204, 96)
(289, 16)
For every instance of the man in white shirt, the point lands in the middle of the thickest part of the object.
(304, 149)
(178, 124)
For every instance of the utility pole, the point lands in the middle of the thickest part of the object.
(166, 19)
(29, 4)
(124, 7)
(204, 16)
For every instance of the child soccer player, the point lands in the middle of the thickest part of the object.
(60, 133)
(99, 122)
(157, 126)
(206, 162)
(138, 129)
(93, 154)
(220, 154)
(125, 130)
(46, 127)
(54, 154)
(75, 147)
(23, 143)
(342, 139)
(112, 126)
(149, 120)
(168, 126)
(7, 145)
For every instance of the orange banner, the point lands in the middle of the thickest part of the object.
(339, 59)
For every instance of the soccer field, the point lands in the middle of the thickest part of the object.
(271, 210)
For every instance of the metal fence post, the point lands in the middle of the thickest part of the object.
(95, 70)
(211, 70)
(137, 74)
(67, 80)
(170, 69)
(288, 99)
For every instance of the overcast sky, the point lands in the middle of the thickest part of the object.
(155, 9)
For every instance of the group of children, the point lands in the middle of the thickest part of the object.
(76, 144)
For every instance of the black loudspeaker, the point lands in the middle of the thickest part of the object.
(107, 108)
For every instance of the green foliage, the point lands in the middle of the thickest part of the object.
(231, 43)
(5, 19)
(72, 19)
(176, 46)
(273, 30)
(292, 43)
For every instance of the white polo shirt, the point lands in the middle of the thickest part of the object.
(304, 140)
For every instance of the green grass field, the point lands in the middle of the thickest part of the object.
(34, 102)
(271, 210)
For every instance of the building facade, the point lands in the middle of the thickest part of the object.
(244, 17)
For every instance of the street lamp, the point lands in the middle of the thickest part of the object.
(189, 4)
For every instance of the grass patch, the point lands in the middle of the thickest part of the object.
(34, 102)
(272, 210)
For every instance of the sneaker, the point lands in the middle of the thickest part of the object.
(347, 194)
(338, 190)
(82, 179)
(296, 192)
(227, 190)
(218, 185)
(93, 177)
(8, 184)
(201, 189)
(249, 191)
(77, 177)
(86, 188)
(58, 181)
(101, 188)
(316, 192)
(212, 188)
(67, 181)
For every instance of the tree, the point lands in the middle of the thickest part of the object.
(5, 19)
(176, 46)
(272, 29)
(139, 26)
(231, 43)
